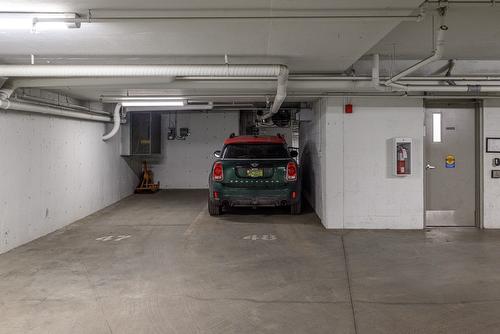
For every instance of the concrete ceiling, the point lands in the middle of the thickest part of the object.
(84, 5)
(474, 33)
(304, 45)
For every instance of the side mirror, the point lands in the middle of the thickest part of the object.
(217, 154)
(294, 154)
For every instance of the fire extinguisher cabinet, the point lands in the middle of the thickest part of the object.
(401, 156)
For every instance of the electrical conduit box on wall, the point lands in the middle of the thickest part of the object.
(401, 155)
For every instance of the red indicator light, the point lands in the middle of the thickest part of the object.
(348, 108)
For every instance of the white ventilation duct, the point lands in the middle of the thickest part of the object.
(116, 123)
(65, 71)
(280, 93)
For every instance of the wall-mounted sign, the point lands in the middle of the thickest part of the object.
(450, 161)
(492, 145)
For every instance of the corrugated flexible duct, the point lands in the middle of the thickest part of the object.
(228, 70)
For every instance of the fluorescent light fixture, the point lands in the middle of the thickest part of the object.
(436, 127)
(179, 103)
(208, 106)
(36, 22)
(16, 21)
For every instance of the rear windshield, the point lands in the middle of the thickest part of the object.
(256, 151)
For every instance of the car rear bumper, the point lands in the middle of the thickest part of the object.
(273, 202)
(250, 197)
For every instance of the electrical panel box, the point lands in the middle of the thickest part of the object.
(142, 134)
(172, 133)
(184, 132)
(401, 156)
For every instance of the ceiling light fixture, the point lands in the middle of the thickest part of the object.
(179, 103)
(36, 22)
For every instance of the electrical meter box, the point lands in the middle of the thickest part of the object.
(401, 156)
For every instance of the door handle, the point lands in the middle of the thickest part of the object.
(430, 167)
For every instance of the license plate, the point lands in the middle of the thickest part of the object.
(255, 172)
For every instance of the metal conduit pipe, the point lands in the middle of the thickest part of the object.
(84, 82)
(50, 103)
(431, 88)
(462, 2)
(116, 123)
(471, 89)
(33, 108)
(311, 95)
(436, 55)
(114, 14)
(376, 74)
(311, 77)
(7, 90)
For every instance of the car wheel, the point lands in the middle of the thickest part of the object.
(214, 209)
(296, 208)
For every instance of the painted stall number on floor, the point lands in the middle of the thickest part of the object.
(260, 237)
(113, 238)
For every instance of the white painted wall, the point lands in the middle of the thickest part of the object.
(185, 164)
(358, 188)
(373, 196)
(55, 171)
(491, 187)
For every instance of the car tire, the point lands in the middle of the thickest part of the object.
(214, 209)
(296, 208)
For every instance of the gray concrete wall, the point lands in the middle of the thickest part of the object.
(54, 171)
(186, 164)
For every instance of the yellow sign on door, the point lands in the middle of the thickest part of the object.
(450, 161)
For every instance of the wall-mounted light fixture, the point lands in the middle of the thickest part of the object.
(36, 22)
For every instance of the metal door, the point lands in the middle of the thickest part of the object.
(450, 168)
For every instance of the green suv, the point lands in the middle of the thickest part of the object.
(254, 171)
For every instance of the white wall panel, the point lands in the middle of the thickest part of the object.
(55, 171)
(491, 195)
(311, 157)
(359, 190)
(373, 196)
(334, 164)
(185, 164)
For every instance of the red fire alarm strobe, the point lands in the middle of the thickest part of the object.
(348, 108)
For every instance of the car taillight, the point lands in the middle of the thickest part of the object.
(291, 171)
(218, 172)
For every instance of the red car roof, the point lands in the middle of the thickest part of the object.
(255, 140)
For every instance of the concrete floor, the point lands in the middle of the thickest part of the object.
(160, 264)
